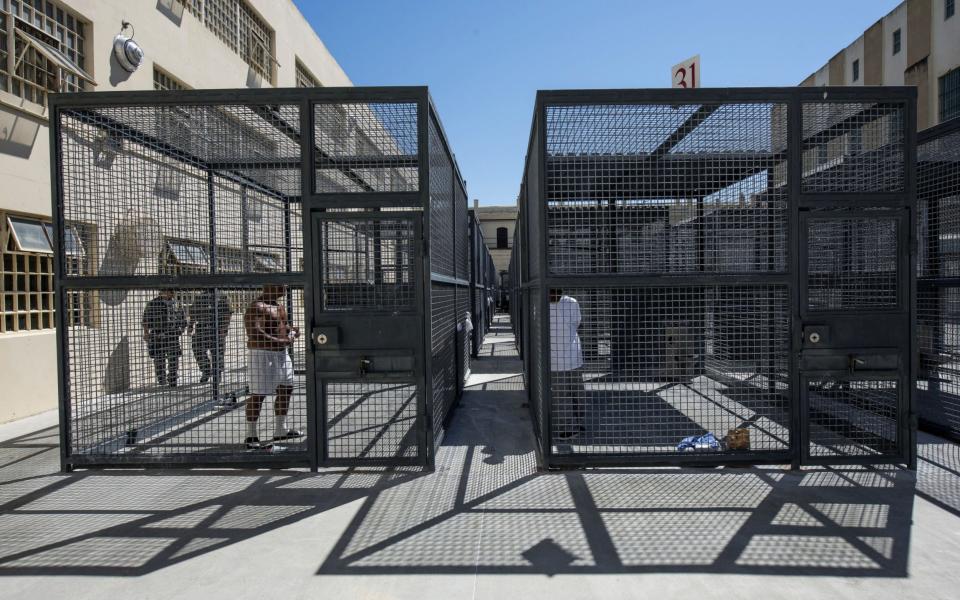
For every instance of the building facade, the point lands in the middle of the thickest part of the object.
(66, 45)
(917, 43)
(497, 224)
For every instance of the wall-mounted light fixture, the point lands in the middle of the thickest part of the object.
(128, 52)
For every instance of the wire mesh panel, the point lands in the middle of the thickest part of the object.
(662, 364)
(368, 264)
(366, 147)
(170, 374)
(371, 420)
(852, 264)
(627, 194)
(444, 355)
(853, 147)
(938, 304)
(853, 417)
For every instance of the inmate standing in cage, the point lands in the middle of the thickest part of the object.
(209, 324)
(163, 322)
(270, 368)
(566, 358)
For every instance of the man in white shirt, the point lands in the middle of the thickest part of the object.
(566, 358)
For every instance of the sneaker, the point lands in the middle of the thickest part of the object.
(204, 378)
(290, 434)
(253, 443)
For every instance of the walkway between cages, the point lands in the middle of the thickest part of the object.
(485, 524)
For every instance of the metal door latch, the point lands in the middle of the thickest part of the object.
(364, 365)
(853, 362)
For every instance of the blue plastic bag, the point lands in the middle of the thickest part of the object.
(699, 443)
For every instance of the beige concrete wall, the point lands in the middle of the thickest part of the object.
(491, 218)
(187, 50)
(851, 53)
(28, 374)
(895, 64)
(822, 76)
(873, 55)
(837, 66)
(944, 54)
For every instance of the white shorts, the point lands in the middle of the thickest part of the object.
(267, 370)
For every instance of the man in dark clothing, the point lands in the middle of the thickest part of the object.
(163, 322)
(209, 325)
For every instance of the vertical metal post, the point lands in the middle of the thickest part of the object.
(798, 414)
(546, 281)
(425, 431)
(910, 188)
(317, 440)
(59, 282)
(212, 240)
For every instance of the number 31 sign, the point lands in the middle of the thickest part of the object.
(687, 73)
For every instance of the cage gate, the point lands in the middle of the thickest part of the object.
(367, 336)
(737, 267)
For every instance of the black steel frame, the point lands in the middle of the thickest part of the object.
(532, 278)
(369, 201)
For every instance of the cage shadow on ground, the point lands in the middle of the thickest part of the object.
(488, 510)
(129, 523)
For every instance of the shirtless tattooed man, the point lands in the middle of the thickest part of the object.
(270, 369)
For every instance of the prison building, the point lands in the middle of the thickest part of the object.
(275, 277)
(719, 276)
(938, 302)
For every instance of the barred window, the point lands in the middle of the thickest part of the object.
(950, 95)
(856, 69)
(240, 28)
(896, 42)
(41, 49)
(26, 274)
(305, 78)
(162, 80)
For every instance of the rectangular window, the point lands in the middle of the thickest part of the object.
(856, 70)
(41, 50)
(305, 78)
(162, 80)
(948, 9)
(26, 276)
(896, 42)
(241, 29)
(949, 95)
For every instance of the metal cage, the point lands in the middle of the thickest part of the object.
(197, 232)
(938, 304)
(483, 285)
(719, 276)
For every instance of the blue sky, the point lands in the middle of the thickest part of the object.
(484, 60)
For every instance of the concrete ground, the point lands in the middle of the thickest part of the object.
(485, 524)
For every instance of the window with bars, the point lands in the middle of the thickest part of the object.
(856, 70)
(41, 49)
(26, 274)
(896, 42)
(950, 95)
(162, 80)
(305, 78)
(240, 28)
